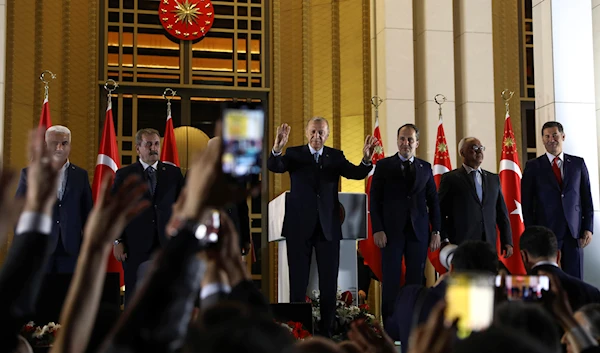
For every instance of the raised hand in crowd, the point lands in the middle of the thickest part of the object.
(283, 134)
(370, 341)
(369, 147)
(434, 336)
(108, 218)
(9, 208)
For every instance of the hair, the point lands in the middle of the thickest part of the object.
(412, 126)
(462, 142)
(592, 314)
(140, 134)
(230, 327)
(318, 119)
(58, 129)
(551, 124)
(539, 241)
(475, 255)
(318, 345)
(498, 339)
(530, 319)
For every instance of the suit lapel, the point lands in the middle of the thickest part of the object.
(470, 183)
(548, 172)
(161, 175)
(567, 166)
(69, 176)
(142, 174)
(419, 175)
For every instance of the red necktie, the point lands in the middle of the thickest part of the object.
(556, 171)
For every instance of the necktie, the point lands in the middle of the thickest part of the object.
(151, 175)
(556, 171)
(478, 187)
(316, 155)
(408, 175)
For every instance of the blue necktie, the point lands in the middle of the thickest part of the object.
(478, 187)
(150, 173)
(316, 157)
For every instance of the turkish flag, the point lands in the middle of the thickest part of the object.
(168, 152)
(441, 165)
(45, 120)
(510, 181)
(107, 163)
(367, 247)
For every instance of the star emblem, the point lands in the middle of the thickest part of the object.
(186, 13)
(442, 148)
(509, 142)
(378, 149)
(518, 211)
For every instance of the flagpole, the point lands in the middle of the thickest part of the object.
(439, 100)
(506, 96)
(376, 102)
(46, 82)
(115, 85)
(173, 93)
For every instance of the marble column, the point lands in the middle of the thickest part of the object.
(393, 77)
(474, 68)
(565, 91)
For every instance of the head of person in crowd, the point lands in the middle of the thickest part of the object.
(538, 244)
(317, 132)
(531, 319)
(407, 140)
(231, 327)
(475, 255)
(471, 150)
(58, 142)
(553, 136)
(588, 316)
(317, 345)
(147, 145)
(499, 339)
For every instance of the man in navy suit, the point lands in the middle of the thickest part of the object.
(471, 201)
(146, 232)
(74, 202)
(404, 201)
(555, 193)
(312, 214)
(539, 251)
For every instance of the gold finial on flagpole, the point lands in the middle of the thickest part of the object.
(46, 82)
(376, 102)
(173, 92)
(506, 96)
(439, 99)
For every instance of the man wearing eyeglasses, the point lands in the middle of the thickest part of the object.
(471, 201)
(555, 193)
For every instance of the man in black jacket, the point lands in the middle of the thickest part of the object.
(539, 251)
(146, 232)
(312, 214)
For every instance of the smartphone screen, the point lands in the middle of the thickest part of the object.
(243, 130)
(526, 288)
(470, 298)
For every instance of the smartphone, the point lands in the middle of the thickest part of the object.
(243, 132)
(470, 299)
(525, 288)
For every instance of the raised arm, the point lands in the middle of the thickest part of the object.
(277, 162)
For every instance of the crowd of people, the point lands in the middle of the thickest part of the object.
(187, 292)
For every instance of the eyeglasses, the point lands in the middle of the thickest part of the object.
(478, 148)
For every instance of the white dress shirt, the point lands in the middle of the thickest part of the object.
(146, 165)
(561, 159)
(477, 177)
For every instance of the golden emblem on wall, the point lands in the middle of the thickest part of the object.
(186, 19)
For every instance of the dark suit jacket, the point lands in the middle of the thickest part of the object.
(579, 292)
(139, 234)
(545, 204)
(464, 217)
(20, 282)
(241, 220)
(391, 201)
(71, 212)
(314, 189)
(245, 293)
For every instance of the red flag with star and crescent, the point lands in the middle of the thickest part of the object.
(107, 162)
(510, 181)
(168, 153)
(45, 119)
(441, 165)
(367, 247)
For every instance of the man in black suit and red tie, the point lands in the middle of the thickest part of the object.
(404, 201)
(312, 217)
(471, 201)
(146, 232)
(556, 194)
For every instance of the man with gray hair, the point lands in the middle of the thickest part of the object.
(74, 202)
(471, 201)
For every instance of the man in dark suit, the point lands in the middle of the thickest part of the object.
(312, 215)
(146, 232)
(539, 251)
(556, 194)
(404, 201)
(471, 201)
(73, 204)
(238, 212)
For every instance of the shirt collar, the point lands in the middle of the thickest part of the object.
(540, 263)
(561, 156)
(313, 151)
(65, 166)
(411, 159)
(145, 165)
(469, 169)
